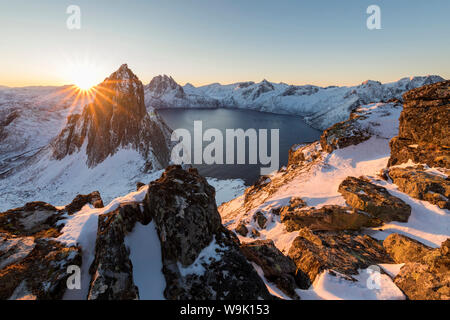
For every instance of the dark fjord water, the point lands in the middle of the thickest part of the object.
(293, 130)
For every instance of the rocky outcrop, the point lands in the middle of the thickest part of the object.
(32, 266)
(37, 219)
(112, 270)
(344, 252)
(81, 200)
(424, 132)
(375, 200)
(329, 217)
(423, 185)
(429, 277)
(404, 249)
(201, 258)
(117, 118)
(278, 268)
(344, 134)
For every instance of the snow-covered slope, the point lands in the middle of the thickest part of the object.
(321, 106)
(31, 117)
(113, 143)
(316, 181)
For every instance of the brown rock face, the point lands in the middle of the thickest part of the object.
(329, 218)
(260, 219)
(422, 185)
(343, 134)
(404, 249)
(277, 267)
(39, 273)
(37, 219)
(375, 200)
(31, 265)
(112, 270)
(116, 118)
(424, 131)
(183, 207)
(242, 229)
(81, 200)
(429, 278)
(344, 252)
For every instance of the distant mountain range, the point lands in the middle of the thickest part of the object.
(321, 106)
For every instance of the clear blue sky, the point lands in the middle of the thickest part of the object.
(204, 41)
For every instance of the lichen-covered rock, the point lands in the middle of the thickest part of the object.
(420, 184)
(424, 129)
(260, 219)
(241, 229)
(201, 258)
(429, 278)
(344, 134)
(257, 186)
(277, 267)
(112, 270)
(342, 251)
(81, 200)
(404, 249)
(34, 268)
(329, 217)
(38, 219)
(375, 200)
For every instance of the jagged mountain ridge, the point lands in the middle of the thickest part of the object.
(111, 138)
(321, 106)
(117, 118)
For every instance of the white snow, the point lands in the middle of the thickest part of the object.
(391, 269)
(368, 286)
(322, 106)
(145, 255)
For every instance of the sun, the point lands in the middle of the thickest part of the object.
(83, 74)
(84, 79)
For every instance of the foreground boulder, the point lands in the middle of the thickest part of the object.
(329, 217)
(32, 266)
(429, 277)
(404, 249)
(344, 134)
(38, 219)
(344, 252)
(422, 185)
(424, 128)
(277, 267)
(201, 258)
(375, 200)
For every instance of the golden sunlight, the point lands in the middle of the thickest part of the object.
(83, 74)
(84, 80)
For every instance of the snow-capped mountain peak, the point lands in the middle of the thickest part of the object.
(114, 138)
(322, 106)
